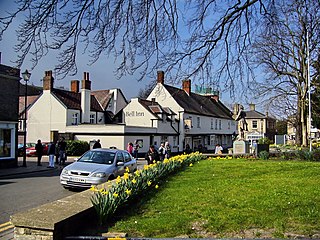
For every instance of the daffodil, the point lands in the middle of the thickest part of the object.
(156, 186)
(93, 188)
(128, 191)
(115, 195)
(127, 169)
(134, 181)
(149, 183)
(118, 179)
(191, 165)
(137, 173)
(146, 167)
(126, 176)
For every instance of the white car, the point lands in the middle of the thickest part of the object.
(97, 166)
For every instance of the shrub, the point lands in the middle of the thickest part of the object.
(264, 141)
(77, 148)
(264, 155)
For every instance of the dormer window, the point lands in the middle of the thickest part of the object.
(75, 119)
(92, 118)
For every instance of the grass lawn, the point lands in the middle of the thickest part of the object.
(229, 198)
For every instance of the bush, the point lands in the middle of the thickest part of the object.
(264, 141)
(77, 148)
(264, 155)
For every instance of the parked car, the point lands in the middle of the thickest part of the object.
(31, 151)
(97, 166)
(21, 148)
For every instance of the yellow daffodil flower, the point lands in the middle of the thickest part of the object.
(118, 179)
(127, 169)
(149, 183)
(134, 181)
(191, 165)
(128, 191)
(156, 186)
(115, 195)
(126, 176)
(93, 188)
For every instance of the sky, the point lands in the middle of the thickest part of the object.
(101, 73)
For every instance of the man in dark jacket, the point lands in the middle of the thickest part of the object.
(39, 151)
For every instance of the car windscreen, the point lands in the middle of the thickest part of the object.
(101, 157)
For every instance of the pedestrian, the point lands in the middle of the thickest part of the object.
(218, 149)
(51, 153)
(97, 144)
(187, 149)
(130, 148)
(152, 155)
(162, 152)
(57, 152)
(168, 150)
(136, 149)
(62, 151)
(39, 151)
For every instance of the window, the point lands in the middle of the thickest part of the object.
(216, 125)
(92, 118)
(5, 142)
(219, 124)
(211, 123)
(198, 122)
(120, 157)
(228, 124)
(254, 124)
(127, 157)
(75, 119)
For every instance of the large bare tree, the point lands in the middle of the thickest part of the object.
(200, 38)
(290, 38)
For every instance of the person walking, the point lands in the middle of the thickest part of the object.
(130, 148)
(51, 153)
(39, 151)
(168, 150)
(162, 152)
(135, 149)
(97, 144)
(152, 155)
(62, 151)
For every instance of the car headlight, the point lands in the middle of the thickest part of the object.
(99, 175)
(65, 172)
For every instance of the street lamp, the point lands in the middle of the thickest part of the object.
(26, 76)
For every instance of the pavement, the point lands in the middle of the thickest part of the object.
(30, 168)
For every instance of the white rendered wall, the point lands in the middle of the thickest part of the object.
(46, 114)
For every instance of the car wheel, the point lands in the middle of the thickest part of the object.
(111, 177)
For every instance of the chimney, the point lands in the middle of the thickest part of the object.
(186, 86)
(48, 80)
(215, 97)
(252, 107)
(75, 86)
(85, 98)
(160, 77)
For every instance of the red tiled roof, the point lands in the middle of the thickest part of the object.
(103, 97)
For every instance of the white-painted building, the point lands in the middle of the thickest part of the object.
(169, 114)
(203, 119)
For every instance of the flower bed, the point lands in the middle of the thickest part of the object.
(107, 199)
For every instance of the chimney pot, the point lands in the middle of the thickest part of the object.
(252, 107)
(86, 83)
(160, 77)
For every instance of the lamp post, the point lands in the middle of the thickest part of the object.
(26, 76)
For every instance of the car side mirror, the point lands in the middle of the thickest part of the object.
(120, 163)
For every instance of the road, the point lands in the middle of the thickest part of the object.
(25, 191)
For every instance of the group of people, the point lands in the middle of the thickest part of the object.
(133, 149)
(57, 150)
(154, 155)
